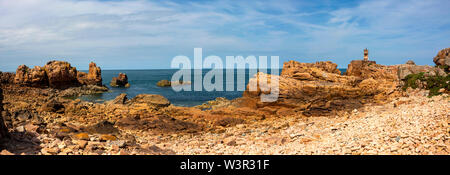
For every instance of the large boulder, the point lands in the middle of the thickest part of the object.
(443, 58)
(150, 99)
(120, 81)
(94, 77)
(35, 77)
(61, 74)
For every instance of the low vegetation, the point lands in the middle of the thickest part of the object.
(432, 83)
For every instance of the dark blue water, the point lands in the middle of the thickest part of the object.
(144, 82)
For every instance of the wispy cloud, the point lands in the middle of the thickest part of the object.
(147, 34)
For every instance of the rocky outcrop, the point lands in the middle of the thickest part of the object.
(83, 90)
(410, 62)
(6, 77)
(58, 75)
(61, 74)
(164, 83)
(35, 77)
(120, 99)
(321, 89)
(120, 81)
(407, 69)
(151, 100)
(167, 83)
(307, 71)
(3, 130)
(94, 77)
(370, 69)
(443, 58)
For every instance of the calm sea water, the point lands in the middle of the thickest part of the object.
(144, 82)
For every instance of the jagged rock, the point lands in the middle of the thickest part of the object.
(61, 74)
(35, 77)
(151, 99)
(6, 77)
(307, 86)
(443, 58)
(307, 71)
(95, 74)
(328, 66)
(406, 69)
(23, 76)
(94, 77)
(120, 99)
(56, 74)
(370, 69)
(120, 81)
(410, 62)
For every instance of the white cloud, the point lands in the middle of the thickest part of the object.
(35, 30)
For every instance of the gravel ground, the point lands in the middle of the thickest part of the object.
(409, 125)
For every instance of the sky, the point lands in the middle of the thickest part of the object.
(144, 34)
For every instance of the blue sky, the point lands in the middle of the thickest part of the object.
(142, 34)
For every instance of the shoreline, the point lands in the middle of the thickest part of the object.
(319, 111)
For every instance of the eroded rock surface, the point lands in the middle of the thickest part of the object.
(93, 77)
(443, 58)
(57, 74)
(320, 89)
(6, 77)
(120, 99)
(406, 69)
(61, 74)
(319, 111)
(150, 99)
(370, 69)
(35, 77)
(120, 81)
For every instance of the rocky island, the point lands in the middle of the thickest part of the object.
(167, 83)
(120, 81)
(371, 109)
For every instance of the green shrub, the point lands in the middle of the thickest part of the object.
(411, 79)
(433, 83)
(446, 68)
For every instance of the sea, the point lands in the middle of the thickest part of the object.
(144, 82)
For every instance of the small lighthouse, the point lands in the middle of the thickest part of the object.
(366, 55)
